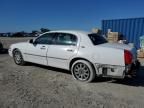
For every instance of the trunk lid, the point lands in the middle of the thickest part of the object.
(123, 47)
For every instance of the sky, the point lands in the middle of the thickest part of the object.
(28, 15)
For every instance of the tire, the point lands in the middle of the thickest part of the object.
(1, 45)
(18, 58)
(83, 71)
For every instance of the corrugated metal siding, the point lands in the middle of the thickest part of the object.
(131, 28)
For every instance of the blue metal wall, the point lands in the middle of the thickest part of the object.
(131, 28)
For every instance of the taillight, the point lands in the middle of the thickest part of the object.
(128, 57)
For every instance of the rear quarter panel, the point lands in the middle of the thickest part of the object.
(102, 55)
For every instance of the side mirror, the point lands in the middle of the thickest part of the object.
(31, 41)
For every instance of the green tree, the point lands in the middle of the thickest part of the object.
(18, 34)
(43, 30)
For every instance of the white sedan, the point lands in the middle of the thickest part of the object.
(85, 54)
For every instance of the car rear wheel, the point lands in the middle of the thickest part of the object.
(18, 59)
(83, 71)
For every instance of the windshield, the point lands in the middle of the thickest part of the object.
(97, 39)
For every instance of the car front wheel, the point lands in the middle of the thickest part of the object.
(83, 71)
(18, 59)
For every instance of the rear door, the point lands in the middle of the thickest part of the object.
(64, 47)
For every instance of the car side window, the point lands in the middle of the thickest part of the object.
(45, 38)
(66, 39)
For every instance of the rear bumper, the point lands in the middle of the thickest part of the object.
(119, 72)
(132, 69)
(113, 71)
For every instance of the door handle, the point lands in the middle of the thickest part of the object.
(70, 50)
(43, 47)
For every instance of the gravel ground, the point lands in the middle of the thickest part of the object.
(36, 86)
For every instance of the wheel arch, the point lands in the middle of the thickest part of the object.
(14, 50)
(18, 50)
(22, 62)
(80, 58)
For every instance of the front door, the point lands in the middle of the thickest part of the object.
(37, 52)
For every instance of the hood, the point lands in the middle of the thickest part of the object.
(19, 44)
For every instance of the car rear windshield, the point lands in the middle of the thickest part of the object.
(97, 39)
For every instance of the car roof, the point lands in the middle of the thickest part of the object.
(71, 31)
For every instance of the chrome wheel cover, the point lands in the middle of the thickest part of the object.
(81, 72)
(17, 57)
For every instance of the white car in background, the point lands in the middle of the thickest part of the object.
(85, 54)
